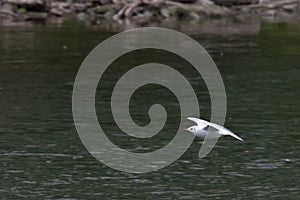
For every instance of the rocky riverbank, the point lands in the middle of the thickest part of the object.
(142, 11)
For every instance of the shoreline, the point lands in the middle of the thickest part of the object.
(139, 13)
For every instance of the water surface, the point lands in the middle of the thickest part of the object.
(41, 155)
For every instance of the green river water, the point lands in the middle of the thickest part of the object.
(42, 157)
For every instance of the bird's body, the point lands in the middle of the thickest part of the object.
(204, 127)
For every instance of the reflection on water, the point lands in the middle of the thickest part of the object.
(41, 154)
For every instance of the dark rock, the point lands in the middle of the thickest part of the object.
(186, 1)
(105, 10)
(29, 5)
(234, 2)
(179, 13)
(289, 7)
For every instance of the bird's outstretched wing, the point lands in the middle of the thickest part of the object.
(228, 132)
(225, 131)
(222, 130)
(200, 122)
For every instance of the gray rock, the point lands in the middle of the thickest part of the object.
(6, 8)
(81, 16)
(35, 16)
(79, 7)
(205, 2)
(56, 11)
(6, 12)
(269, 13)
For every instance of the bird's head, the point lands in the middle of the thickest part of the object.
(192, 129)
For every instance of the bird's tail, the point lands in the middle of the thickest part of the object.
(235, 136)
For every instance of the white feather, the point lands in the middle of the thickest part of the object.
(201, 124)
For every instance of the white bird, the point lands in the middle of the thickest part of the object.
(216, 131)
